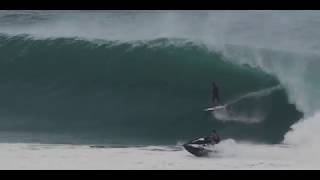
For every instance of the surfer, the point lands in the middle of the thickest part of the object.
(215, 94)
(216, 98)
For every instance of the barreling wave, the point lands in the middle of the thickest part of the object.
(151, 91)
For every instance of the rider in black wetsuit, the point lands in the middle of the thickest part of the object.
(214, 138)
(215, 94)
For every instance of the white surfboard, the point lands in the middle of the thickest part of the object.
(215, 108)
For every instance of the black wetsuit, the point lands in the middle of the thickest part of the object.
(214, 138)
(215, 94)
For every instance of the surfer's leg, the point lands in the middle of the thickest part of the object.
(216, 101)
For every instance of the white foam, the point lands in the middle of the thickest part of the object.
(305, 137)
(243, 117)
(230, 155)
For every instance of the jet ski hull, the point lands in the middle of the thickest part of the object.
(197, 151)
(198, 147)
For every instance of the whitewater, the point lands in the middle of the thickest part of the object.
(268, 63)
(229, 156)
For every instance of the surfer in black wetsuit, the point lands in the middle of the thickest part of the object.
(215, 97)
(215, 94)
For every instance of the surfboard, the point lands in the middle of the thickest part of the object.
(215, 108)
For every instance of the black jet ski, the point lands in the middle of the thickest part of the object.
(199, 147)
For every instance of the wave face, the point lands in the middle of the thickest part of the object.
(144, 76)
(142, 91)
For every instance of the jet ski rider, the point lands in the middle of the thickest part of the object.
(214, 138)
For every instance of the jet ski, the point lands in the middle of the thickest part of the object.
(199, 147)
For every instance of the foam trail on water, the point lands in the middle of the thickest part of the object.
(251, 115)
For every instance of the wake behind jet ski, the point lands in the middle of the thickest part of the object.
(202, 146)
